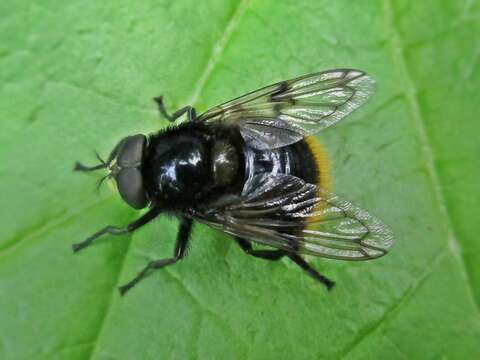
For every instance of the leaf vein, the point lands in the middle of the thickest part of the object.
(46, 225)
(218, 49)
(397, 305)
(428, 152)
(108, 306)
(216, 53)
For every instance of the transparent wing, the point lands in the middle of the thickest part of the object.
(284, 113)
(287, 213)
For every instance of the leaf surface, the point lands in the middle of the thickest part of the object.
(77, 76)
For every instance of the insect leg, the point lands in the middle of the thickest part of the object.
(262, 254)
(150, 215)
(311, 271)
(278, 254)
(181, 247)
(191, 114)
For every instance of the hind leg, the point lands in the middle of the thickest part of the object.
(277, 254)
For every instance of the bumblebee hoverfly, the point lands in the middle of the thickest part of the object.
(250, 168)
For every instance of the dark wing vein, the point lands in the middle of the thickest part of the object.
(285, 212)
(283, 113)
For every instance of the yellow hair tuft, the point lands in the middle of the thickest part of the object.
(319, 153)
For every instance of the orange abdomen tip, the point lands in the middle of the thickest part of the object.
(321, 160)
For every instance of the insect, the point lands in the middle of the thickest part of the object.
(250, 168)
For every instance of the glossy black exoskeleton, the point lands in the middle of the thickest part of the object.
(247, 168)
(190, 165)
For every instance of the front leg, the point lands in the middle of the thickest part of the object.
(181, 247)
(191, 114)
(113, 230)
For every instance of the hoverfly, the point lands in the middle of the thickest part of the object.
(250, 168)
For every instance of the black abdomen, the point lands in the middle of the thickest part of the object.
(297, 159)
(305, 162)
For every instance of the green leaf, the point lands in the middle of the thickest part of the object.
(79, 75)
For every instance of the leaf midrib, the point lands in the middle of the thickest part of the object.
(215, 54)
(396, 44)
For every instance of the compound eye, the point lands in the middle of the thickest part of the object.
(130, 185)
(131, 151)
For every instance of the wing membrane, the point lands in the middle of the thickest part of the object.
(287, 213)
(285, 112)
